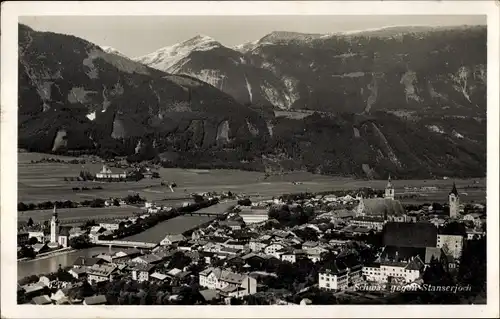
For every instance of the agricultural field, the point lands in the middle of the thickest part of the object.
(68, 215)
(45, 181)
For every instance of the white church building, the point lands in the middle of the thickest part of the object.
(58, 234)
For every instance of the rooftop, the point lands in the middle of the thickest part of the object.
(410, 234)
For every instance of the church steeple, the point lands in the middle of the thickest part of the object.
(454, 190)
(54, 226)
(389, 189)
(454, 201)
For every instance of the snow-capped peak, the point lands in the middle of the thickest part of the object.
(165, 58)
(112, 50)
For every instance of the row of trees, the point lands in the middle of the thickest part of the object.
(97, 202)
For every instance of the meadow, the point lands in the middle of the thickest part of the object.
(67, 215)
(45, 181)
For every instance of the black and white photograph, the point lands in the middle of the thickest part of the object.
(251, 159)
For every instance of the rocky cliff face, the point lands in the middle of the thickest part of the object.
(74, 95)
(415, 69)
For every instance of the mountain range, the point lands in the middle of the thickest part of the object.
(410, 101)
(417, 69)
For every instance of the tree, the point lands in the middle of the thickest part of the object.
(30, 223)
(32, 241)
(198, 198)
(22, 207)
(245, 202)
(98, 202)
(27, 252)
(307, 234)
(116, 202)
(80, 242)
(179, 260)
(88, 224)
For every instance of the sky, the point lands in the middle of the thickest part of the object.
(138, 35)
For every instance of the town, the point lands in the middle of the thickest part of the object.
(362, 246)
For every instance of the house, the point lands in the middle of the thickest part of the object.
(87, 262)
(434, 254)
(60, 297)
(452, 238)
(210, 294)
(22, 239)
(141, 272)
(292, 255)
(217, 278)
(402, 218)
(78, 272)
(232, 224)
(110, 226)
(34, 289)
(107, 258)
(94, 236)
(95, 300)
(305, 302)
(99, 273)
(39, 235)
(107, 234)
(387, 271)
(314, 253)
(172, 239)
(185, 246)
(438, 222)
(452, 244)
(403, 264)
(227, 251)
(375, 223)
(127, 254)
(147, 259)
(473, 234)
(156, 276)
(339, 274)
(75, 232)
(41, 300)
(106, 173)
(40, 248)
(343, 215)
(273, 248)
(232, 292)
(257, 244)
(253, 216)
(212, 247)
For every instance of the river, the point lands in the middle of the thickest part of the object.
(50, 264)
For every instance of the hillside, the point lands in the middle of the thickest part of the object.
(76, 98)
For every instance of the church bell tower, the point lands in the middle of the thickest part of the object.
(389, 189)
(54, 226)
(454, 201)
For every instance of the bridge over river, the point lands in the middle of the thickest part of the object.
(125, 243)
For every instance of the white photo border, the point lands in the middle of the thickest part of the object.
(9, 20)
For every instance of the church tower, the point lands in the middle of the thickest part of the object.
(54, 227)
(389, 189)
(454, 201)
